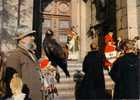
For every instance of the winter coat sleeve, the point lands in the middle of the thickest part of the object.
(115, 71)
(84, 66)
(13, 60)
(12, 65)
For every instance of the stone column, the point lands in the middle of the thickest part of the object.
(79, 20)
(132, 19)
(75, 17)
(83, 25)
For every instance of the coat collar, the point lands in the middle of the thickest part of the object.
(27, 52)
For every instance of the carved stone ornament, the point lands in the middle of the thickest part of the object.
(63, 7)
(50, 7)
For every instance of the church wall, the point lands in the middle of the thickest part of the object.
(138, 16)
(132, 19)
(90, 21)
(127, 16)
(10, 18)
(121, 18)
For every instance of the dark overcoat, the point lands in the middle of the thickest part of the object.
(93, 84)
(22, 61)
(125, 74)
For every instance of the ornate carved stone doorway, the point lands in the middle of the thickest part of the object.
(57, 16)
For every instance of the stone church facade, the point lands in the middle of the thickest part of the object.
(83, 14)
(127, 15)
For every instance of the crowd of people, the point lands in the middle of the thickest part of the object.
(124, 71)
(22, 74)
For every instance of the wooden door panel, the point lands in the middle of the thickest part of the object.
(57, 16)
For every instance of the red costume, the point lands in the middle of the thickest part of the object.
(110, 51)
(108, 38)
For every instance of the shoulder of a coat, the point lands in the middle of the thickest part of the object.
(13, 52)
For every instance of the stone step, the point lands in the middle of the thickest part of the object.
(66, 80)
(63, 77)
(109, 83)
(65, 96)
(74, 68)
(68, 91)
(74, 64)
(62, 74)
(66, 87)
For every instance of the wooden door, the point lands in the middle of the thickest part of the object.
(57, 16)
